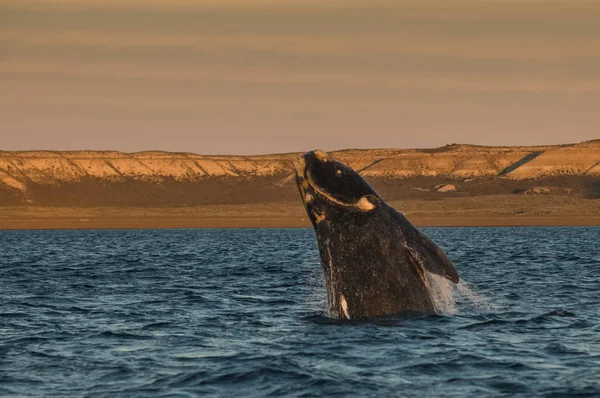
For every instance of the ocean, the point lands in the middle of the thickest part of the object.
(241, 312)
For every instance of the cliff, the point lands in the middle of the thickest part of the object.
(115, 178)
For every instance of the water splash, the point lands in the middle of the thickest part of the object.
(447, 295)
(443, 293)
(473, 298)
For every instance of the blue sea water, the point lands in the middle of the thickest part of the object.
(242, 313)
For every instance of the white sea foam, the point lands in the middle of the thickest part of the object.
(446, 295)
(474, 299)
(442, 293)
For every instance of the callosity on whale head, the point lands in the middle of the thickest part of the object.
(375, 262)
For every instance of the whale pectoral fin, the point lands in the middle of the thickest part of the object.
(425, 253)
(431, 257)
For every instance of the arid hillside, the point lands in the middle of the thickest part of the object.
(102, 178)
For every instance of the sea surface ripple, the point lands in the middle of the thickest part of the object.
(184, 313)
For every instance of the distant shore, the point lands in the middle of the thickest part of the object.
(454, 185)
(493, 210)
(181, 223)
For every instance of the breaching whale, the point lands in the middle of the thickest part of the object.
(375, 262)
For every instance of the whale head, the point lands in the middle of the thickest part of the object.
(327, 185)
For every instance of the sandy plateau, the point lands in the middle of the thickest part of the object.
(451, 185)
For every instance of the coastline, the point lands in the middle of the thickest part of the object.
(481, 211)
(62, 224)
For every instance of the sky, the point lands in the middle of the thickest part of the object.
(264, 76)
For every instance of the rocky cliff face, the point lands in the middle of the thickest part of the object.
(25, 177)
(467, 161)
(18, 169)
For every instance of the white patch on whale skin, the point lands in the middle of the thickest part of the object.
(319, 216)
(321, 155)
(308, 198)
(344, 306)
(364, 204)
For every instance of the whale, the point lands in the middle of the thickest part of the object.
(375, 262)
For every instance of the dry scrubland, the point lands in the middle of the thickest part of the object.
(452, 185)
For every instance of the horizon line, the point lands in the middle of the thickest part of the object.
(433, 148)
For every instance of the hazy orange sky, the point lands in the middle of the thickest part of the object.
(259, 76)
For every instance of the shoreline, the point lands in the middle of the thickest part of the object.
(476, 211)
(245, 224)
(61, 223)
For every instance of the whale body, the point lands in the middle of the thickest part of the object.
(375, 262)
